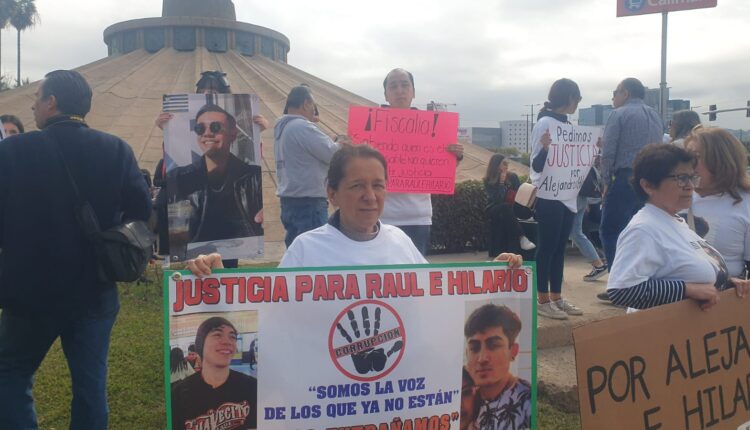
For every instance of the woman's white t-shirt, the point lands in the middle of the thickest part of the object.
(327, 246)
(656, 245)
(728, 227)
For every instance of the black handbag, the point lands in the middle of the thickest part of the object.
(591, 187)
(123, 251)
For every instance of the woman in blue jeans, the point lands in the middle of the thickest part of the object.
(554, 217)
(598, 268)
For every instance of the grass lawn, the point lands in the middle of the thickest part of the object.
(136, 387)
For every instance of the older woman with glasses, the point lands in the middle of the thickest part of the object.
(659, 258)
(723, 196)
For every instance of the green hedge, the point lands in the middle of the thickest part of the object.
(458, 221)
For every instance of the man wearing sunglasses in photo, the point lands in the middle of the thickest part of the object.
(224, 191)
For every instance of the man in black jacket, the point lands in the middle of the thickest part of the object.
(49, 286)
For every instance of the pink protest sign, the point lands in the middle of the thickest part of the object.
(414, 145)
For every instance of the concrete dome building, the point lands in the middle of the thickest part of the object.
(154, 56)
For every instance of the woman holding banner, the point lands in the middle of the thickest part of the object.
(659, 258)
(554, 217)
(501, 186)
(354, 234)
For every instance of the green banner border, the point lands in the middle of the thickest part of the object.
(532, 264)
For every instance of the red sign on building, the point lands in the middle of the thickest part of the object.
(642, 7)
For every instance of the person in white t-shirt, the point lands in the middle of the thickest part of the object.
(554, 217)
(659, 259)
(354, 234)
(722, 197)
(411, 212)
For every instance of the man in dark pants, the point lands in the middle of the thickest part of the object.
(630, 127)
(302, 154)
(49, 286)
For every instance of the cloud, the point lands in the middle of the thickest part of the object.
(490, 57)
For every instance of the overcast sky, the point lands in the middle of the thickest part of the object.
(489, 58)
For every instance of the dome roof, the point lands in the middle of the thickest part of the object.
(128, 88)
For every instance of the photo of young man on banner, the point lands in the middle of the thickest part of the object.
(495, 388)
(212, 156)
(223, 394)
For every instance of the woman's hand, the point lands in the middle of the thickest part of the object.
(261, 122)
(456, 149)
(741, 286)
(514, 260)
(162, 119)
(546, 140)
(706, 294)
(201, 265)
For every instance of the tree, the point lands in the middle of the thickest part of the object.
(508, 151)
(6, 9)
(24, 15)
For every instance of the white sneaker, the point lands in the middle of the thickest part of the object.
(550, 310)
(526, 244)
(568, 307)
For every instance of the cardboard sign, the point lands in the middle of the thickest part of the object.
(214, 191)
(670, 367)
(414, 145)
(352, 347)
(641, 7)
(570, 157)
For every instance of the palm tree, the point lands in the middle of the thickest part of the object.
(24, 16)
(6, 9)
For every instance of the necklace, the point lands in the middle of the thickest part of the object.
(361, 237)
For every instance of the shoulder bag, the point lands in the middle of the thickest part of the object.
(123, 251)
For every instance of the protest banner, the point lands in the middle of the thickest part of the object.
(378, 347)
(414, 145)
(571, 155)
(213, 195)
(670, 367)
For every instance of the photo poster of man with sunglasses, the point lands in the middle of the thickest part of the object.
(212, 158)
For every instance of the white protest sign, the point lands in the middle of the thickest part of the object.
(571, 155)
(354, 347)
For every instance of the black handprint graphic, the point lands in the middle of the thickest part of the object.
(368, 359)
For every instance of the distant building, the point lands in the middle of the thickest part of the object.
(675, 106)
(598, 114)
(486, 137)
(652, 97)
(515, 134)
(594, 115)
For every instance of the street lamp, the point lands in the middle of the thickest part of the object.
(530, 123)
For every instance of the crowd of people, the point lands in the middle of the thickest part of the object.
(652, 196)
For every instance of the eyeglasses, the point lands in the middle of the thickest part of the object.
(215, 127)
(685, 179)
